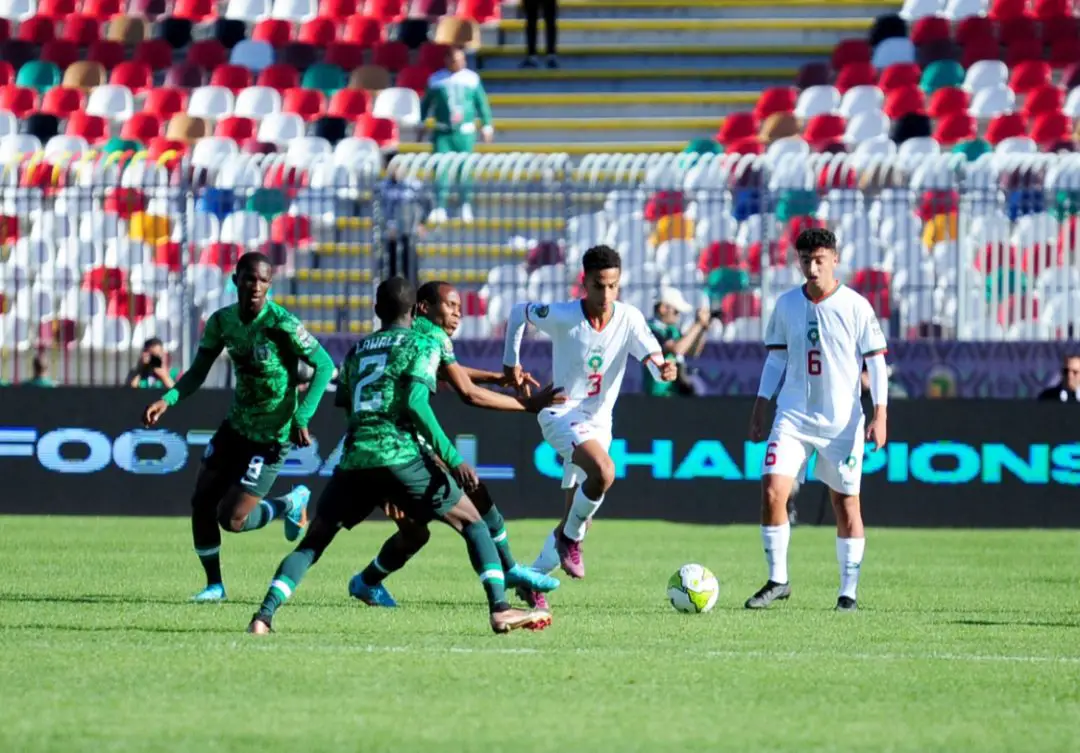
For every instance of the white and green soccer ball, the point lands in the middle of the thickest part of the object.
(693, 589)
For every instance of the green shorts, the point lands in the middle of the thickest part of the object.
(421, 489)
(253, 466)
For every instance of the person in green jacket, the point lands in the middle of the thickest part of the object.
(456, 99)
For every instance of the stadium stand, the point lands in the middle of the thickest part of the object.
(142, 152)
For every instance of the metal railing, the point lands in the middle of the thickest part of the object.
(99, 253)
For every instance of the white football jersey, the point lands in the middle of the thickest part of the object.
(588, 364)
(826, 341)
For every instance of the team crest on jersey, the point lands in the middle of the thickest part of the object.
(542, 311)
(812, 333)
(850, 462)
(260, 353)
(596, 360)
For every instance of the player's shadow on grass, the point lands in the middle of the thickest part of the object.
(102, 599)
(1015, 623)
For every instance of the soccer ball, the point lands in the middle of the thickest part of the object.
(693, 589)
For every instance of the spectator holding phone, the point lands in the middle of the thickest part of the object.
(152, 370)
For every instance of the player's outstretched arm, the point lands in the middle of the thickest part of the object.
(459, 378)
(428, 427)
(323, 365)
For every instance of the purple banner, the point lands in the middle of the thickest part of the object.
(925, 368)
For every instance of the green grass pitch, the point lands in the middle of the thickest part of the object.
(967, 641)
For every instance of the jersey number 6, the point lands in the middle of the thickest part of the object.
(813, 362)
(595, 382)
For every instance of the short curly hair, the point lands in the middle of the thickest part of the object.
(599, 258)
(814, 238)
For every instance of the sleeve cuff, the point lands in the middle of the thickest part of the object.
(488, 130)
(171, 398)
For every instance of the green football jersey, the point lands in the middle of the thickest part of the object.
(264, 352)
(373, 385)
(442, 340)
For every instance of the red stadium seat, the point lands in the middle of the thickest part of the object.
(108, 280)
(235, 77)
(60, 52)
(169, 256)
(107, 52)
(103, 10)
(349, 103)
(307, 103)
(37, 30)
(748, 145)
(898, 75)
(273, 31)
(385, 10)
(142, 126)
(124, 202)
(1070, 76)
(824, 129)
(291, 230)
(1049, 128)
(947, 101)
(974, 27)
(1029, 75)
(432, 56)
(904, 101)
(161, 146)
(382, 131)
(223, 255)
(856, 74)
(812, 74)
(1064, 52)
(318, 31)
(393, 56)
(736, 126)
(363, 30)
(7, 73)
(874, 285)
(1005, 127)
(1007, 10)
(347, 56)
(236, 128)
(1022, 50)
(1046, 10)
(1061, 27)
(82, 30)
(719, 255)
(850, 51)
(207, 54)
(959, 126)
(133, 306)
(755, 252)
(18, 100)
(156, 53)
(136, 76)
(979, 49)
(56, 9)
(60, 332)
(280, 77)
(61, 101)
(414, 77)
(1019, 28)
(1045, 98)
(664, 203)
(195, 10)
(774, 100)
(834, 175)
(480, 11)
(930, 29)
(93, 128)
(164, 102)
(337, 10)
(740, 306)
(5, 30)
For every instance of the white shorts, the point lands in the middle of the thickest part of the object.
(565, 431)
(839, 459)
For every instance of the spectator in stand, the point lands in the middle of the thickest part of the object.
(533, 9)
(1068, 389)
(41, 373)
(456, 99)
(675, 343)
(404, 202)
(152, 370)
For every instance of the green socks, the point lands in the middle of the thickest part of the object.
(288, 576)
(263, 513)
(391, 558)
(485, 561)
(496, 526)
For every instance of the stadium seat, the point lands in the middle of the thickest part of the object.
(176, 33)
(1017, 29)
(325, 77)
(107, 53)
(164, 102)
(349, 103)
(941, 74)
(309, 104)
(255, 56)
(129, 30)
(318, 31)
(135, 76)
(1029, 75)
(279, 77)
(386, 10)
(398, 104)
(930, 29)
(346, 55)
(211, 102)
(196, 10)
(1050, 127)
(1043, 99)
(17, 100)
(865, 126)
(817, 100)
(812, 74)
(415, 78)
(382, 131)
(233, 77)
(856, 74)
(61, 101)
(37, 30)
(904, 101)
(393, 56)
(295, 11)
(257, 102)
(38, 75)
(273, 32)
(141, 126)
(156, 54)
(208, 54)
(955, 127)
(371, 78)
(281, 127)
(992, 101)
(183, 127)
(892, 52)
(93, 128)
(365, 31)
(18, 53)
(958, 10)
(236, 128)
(948, 101)
(1022, 50)
(60, 52)
(228, 32)
(213, 152)
(1006, 126)
(251, 11)
(432, 56)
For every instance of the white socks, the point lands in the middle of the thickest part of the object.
(548, 561)
(776, 539)
(849, 554)
(580, 512)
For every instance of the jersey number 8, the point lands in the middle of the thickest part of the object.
(374, 366)
(813, 362)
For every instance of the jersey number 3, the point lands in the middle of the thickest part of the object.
(371, 368)
(813, 362)
(596, 381)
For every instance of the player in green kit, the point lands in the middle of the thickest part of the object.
(438, 308)
(385, 382)
(266, 344)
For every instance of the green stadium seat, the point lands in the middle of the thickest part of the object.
(324, 77)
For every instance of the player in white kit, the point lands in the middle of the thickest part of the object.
(818, 337)
(590, 341)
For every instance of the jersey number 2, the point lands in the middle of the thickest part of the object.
(374, 366)
(596, 381)
(813, 362)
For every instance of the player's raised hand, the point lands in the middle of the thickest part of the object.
(154, 412)
(514, 376)
(466, 477)
(550, 395)
(877, 432)
(300, 436)
(669, 372)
